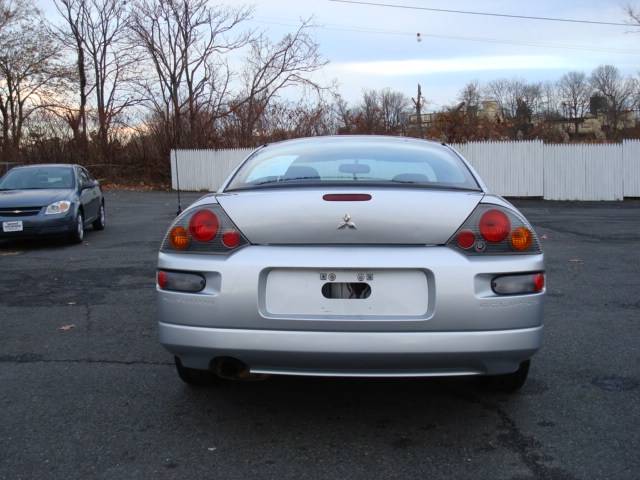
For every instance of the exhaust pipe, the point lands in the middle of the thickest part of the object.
(233, 369)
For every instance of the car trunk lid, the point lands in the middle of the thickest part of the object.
(401, 216)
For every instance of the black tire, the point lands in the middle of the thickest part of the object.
(511, 382)
(194, 377)
(100, 222)
(77, 235)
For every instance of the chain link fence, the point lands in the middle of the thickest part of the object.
(107, 173)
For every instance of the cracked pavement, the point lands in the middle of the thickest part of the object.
(102, 400)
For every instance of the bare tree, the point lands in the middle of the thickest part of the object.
(498, 90)
(617, 90)
(183, 40)
(470, 95)
(633, 14)
(575, 92)
(27, 75)
(13, 11)
(286, 119)
(113, 63)
(393, 108)
(343, 113)
(71, 35)
(514, 95)
(273, 67)
(369, 113)
(549, 100)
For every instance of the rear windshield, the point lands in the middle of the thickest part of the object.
(351, 162)
(34, 178)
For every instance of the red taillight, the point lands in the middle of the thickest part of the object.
(494, 226)
(231, 239)
(203, 226)
(495, 230)
(162, 279)
(538, 282)
(466, 239)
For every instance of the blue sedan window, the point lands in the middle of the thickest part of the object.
(22, 178)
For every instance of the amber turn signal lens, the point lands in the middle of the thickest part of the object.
(179, 238)
(521, 239)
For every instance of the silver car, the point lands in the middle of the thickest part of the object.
(352, 256)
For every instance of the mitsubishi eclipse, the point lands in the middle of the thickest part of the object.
(357, 256)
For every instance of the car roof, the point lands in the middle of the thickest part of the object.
(37, 165)
(373, 139)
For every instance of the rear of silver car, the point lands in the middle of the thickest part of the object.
(389, 280)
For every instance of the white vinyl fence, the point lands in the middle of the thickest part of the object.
(514, 169)
(631, 168)
(204, 170)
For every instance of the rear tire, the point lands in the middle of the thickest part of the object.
(195, 377)
(77, 235)
(511, 382)
(100, 222)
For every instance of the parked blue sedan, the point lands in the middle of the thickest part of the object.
(50, 200)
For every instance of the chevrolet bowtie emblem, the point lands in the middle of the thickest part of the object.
(346, 223)
(17, 211)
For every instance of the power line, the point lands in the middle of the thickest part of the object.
(487, 14)
(375, 31)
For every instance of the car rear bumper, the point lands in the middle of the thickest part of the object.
(367, 354)
(458, 290)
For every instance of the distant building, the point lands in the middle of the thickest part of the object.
(490, 110)
(596, 124)
(426, 119)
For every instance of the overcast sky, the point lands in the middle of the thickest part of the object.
(376, 47)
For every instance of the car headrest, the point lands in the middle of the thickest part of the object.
(300, 171)
(411, 177)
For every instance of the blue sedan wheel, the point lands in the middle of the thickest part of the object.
(100, 222)
(77, 236)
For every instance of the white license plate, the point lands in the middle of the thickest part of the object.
(15, 226)
(393, 293)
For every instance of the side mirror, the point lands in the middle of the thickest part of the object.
(91, 184)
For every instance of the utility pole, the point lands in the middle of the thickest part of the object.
(418, 104)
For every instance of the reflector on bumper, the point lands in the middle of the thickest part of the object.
(518, 284)
(180, 281)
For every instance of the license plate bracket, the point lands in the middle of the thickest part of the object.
(346, 290)
(12, 226)
(312, 293)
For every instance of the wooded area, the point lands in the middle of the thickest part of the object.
(116, 84)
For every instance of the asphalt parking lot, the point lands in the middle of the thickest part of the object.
(87, 392)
